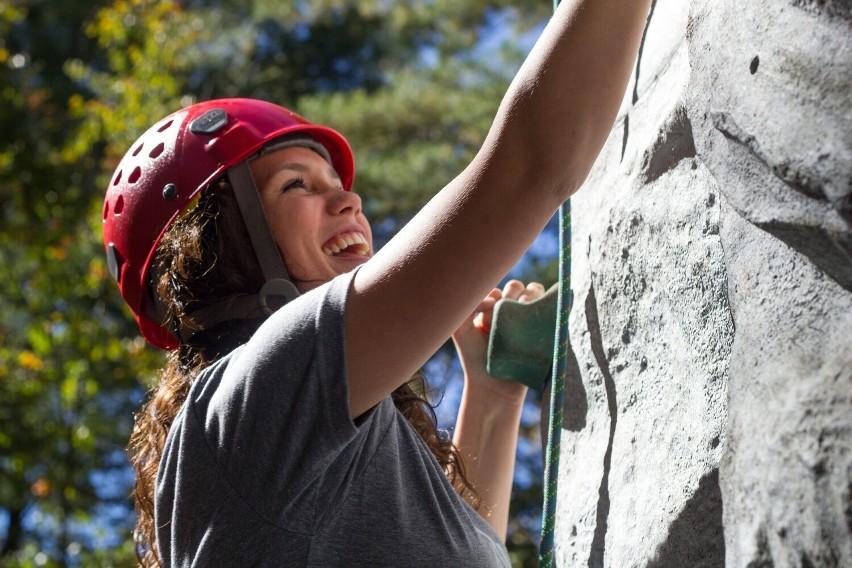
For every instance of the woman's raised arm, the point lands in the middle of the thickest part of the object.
(407, 300)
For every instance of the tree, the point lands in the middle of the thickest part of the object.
(70, 362)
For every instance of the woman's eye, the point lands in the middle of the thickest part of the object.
(298, 182)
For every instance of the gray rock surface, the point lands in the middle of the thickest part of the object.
(708, 413)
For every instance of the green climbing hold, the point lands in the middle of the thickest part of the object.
(520, 345)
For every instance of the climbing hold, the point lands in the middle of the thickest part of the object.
(520, 345)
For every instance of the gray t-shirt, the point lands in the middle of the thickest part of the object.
(263, 465)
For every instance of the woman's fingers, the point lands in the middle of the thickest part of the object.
(533, 291)
(515, 290)
(482, 314)
(486, 309)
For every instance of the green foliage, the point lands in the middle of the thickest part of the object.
(148, 46)
(404, 81)
(70, 361)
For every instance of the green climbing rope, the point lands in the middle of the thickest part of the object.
(557, 385)
(557, 389)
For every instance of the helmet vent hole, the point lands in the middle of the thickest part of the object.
(158, 149)
(138, 149)
(135, 175)
(117, 178)
(165, 126)
(106, 209)
(119, 205)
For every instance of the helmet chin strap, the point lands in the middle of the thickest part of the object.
(277, 280)
(275, 273)
(278, 284)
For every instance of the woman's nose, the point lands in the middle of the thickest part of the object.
(344, 202)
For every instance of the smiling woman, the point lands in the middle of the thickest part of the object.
(286, 429)
(207, 295)
(319, 227)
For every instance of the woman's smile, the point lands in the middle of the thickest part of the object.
(347, 244)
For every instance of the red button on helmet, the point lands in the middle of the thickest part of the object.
(164, 171)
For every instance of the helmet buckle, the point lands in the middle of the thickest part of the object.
(276, 287)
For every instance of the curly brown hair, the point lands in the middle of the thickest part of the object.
(193, 268)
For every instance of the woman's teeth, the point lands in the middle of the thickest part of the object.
(349, 242)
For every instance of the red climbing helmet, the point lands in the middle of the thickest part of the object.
(167, 167)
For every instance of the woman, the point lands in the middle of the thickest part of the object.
(286, 430)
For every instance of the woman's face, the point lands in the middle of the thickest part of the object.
(318, 226)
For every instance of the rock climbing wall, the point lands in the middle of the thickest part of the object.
(708, 414)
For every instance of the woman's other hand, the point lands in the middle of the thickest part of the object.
(487, 426)
(471, 340)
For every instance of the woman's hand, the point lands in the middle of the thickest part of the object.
(487, 426)
(471, 340)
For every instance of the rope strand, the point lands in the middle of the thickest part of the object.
(565, 300)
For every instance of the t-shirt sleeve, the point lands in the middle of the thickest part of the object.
(275, 413)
